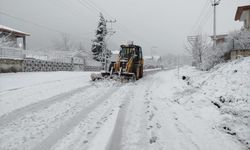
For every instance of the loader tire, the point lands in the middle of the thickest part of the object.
(137, 73)
(141, 72)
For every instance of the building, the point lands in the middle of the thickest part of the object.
(235, 54)
(220, 39)
(12, 36)
(243, 14)
(151, 62)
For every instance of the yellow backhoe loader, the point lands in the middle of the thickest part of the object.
(128, 66)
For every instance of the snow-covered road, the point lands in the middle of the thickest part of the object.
(65, 110)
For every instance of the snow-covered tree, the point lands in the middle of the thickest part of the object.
(82, 52)
(212, 56)
(99, 45)
(198, 50)
(64, 43)
(205, 56)
(238, 40)
(6, 42)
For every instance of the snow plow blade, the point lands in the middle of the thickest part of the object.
(115, 76)
(128, 76)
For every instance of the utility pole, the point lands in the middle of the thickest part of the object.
(214, 4)
(110, 32)
(151, 50)
(178, 66)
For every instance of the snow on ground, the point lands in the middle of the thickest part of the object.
(21, 89)
(65, 110)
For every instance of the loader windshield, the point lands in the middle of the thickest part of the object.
(127, 52)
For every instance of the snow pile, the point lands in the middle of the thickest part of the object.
(227, 88)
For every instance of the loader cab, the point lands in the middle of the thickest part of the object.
(128, 51)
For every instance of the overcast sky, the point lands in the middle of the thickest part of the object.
(159, 26)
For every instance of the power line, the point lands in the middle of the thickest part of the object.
(32, 23)
(204, 21)
(64, 5)
(126, 30)
(95, 7)
(36, 24)
(86, 5)
(102, 10)
(205, 9)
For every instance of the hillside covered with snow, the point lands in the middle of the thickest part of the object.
(227, 88)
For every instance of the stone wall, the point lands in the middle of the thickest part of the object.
(32, 65)
(235, 54)
(35, 65)
(92, 68)
(10, 65)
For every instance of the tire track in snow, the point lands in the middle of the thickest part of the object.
(28, 86)
(60, 132)
(120, 130)
(7, 118)
(116, 137)
(36, 84)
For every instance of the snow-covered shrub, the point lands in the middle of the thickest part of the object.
(239, 40)
(199, 50)
(205, 56)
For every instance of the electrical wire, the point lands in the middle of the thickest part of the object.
(122, 27)
(100, 9)
(36, 24)
(89, 7)
(208, 16)
(205, 9)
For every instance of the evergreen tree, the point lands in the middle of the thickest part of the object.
(98, 45)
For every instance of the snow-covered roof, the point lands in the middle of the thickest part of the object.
(219, 37)
(240, 10)
(8, 29)
(116, 52)
(152, 57)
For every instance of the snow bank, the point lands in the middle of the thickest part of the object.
(227, 88)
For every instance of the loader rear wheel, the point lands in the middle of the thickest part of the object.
(138, 73)
(141, 72)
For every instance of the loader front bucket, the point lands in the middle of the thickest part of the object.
(128, 76)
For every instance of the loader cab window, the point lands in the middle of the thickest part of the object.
(122, 52)
(138, 53)
(127, 52)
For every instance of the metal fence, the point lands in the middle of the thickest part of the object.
(57, 56)
(236, 45)
(12, 53)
